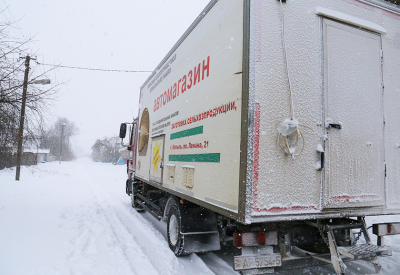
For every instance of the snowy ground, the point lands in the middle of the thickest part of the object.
(75, 218)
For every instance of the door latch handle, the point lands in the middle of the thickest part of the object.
(322, 160)
(161, 165)
(329, 124)
(336, 125)
(321, 163)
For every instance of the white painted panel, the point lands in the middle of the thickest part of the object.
(282, 185)
(391, 78)
(354, 172)
(195, 99)
(284, 188)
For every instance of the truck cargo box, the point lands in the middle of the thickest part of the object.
(326, 73)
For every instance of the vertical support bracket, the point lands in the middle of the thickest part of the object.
(337, 261)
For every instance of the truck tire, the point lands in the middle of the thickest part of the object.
(176, 240)
(134, 202)
(128, 186)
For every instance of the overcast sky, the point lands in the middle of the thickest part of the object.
(119, 34)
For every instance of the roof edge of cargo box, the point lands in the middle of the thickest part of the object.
(246, 142)
(183, 37)
(383, 5)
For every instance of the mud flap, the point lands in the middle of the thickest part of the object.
(201, 242)
(198, 226)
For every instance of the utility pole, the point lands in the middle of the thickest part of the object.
(20, 134)
(22, 118)
(62, 133)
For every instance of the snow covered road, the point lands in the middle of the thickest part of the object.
(74, 218)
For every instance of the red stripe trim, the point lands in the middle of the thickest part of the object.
(348, 198)
(283, 209)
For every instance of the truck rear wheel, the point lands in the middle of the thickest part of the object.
(176, 240)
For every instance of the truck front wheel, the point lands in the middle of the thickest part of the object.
(176, 240)
(134, 198)
(128, 186)
(135, 204)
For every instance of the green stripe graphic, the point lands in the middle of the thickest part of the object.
(188, 132)
(214, 157)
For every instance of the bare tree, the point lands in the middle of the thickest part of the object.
(52, 139)
(11, 83)
(107, 149)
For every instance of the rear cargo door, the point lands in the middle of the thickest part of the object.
(157, 159)
(353, 117)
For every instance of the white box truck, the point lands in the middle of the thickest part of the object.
(274, 125)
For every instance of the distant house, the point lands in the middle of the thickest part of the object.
(6, 149)
(43, 155)
(8, 156)
(120, 161)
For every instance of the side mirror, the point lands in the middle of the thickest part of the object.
(122, 130)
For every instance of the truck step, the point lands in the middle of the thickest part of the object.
(363, 251)
(156, 214)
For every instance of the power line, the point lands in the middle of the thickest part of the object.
(93, 69)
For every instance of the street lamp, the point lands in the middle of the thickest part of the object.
(62, 133)
(42, 81)
(22, 118)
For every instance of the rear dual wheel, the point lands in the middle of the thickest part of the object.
(176, 240)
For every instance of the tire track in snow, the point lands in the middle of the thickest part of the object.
(132, 251)
(151, 240)
(156, 250)
(219, 266)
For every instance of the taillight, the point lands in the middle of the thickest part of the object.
(261, 237)
(382, 229)
(244, 239)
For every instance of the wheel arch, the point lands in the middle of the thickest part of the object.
(172, 200)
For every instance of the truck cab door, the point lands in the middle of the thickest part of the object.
(132, 146)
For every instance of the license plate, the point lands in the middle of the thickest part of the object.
(248, 262)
